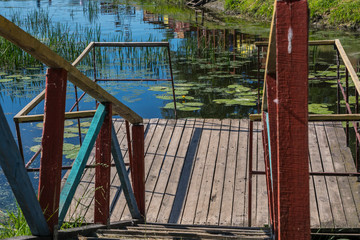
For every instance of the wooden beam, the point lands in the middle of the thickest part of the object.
(79, 164)
(68, 115)
(348, 65)
(43, 53)
(103, 169)
(292, 119)
(51, 145)
(13, 167)
(123, 176)
(138, 166)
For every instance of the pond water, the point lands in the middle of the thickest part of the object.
(214, 64)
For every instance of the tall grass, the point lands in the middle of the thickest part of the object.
(58, 36)
(14, 225)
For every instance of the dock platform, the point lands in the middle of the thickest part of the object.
(197, 174)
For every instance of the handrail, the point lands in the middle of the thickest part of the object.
(348, 64)
(311, 43)
(318, 117)
(44, 54)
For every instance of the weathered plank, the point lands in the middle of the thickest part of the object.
(13, 167)
(206, 183)
(240, 193)
(170, 208)
(322, 196)
(78, 167)
(337, 208)
(228, 197)
(218, 181)
(123, 176)
(189, 209)
(164, 174)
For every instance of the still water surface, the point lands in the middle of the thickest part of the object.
(215, 65)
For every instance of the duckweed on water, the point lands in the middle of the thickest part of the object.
(319, 108)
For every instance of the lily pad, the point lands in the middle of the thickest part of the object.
(15, 76)
(75, 130)
(179, 92)
(184, 84)
(25, 78)
(68, 123)
(70, 135)
(40, 125)
(188, 109)
(319, 108)
(185, 97)
(35, 148)
(165, 97)
(171, 105)
(193, 104)
(159, 89)
(85, 124)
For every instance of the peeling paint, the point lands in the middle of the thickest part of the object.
(290, 37)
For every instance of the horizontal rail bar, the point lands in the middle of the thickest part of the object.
(69, 167)
(326, 174)
(311, 43)
(348, 65)
(137, 79)
(131, 44)
(319, 117)
(44, 54)
(68, 115)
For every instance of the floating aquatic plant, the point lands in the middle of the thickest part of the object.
(319, 108)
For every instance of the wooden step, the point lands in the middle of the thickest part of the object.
(167, 231)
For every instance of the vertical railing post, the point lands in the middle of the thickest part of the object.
(138, 166)
(347, 101)
(52, 142)
(102, 170)
(292, 119)
(338, 77)
(251, 127)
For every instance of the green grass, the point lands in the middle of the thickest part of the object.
(14, 225)
(333, 12)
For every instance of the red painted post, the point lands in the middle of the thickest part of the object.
(102, 170)
(292, 119)
(138, 167)
(272, 107)
(52, 142)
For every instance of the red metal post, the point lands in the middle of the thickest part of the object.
(52, 142)
(102, 170)
(292, 119)
(138, 166)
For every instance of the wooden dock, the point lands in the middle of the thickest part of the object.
(197, 174)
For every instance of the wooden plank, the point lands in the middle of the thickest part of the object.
(43, 53)
(68, 115)
(120, 209)
(240, 193)
(348, 65)
(164, 174)
(102, 169)
(253, 192)
(314, 211)
(189, 209)
(321, 192)
(73, 179)
(292, 118)
(320, 117)
(218, 180)
(311, 43)
(156, 167)
(167, 205)
(123, 176)
(331, 182)
(343, 162)
(207, 180)
(228, 197)
(138, 166)
(13, 167)
(182, 178)
(52, 145)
